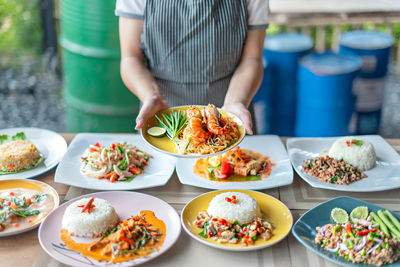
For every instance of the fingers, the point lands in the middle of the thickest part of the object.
(241, 111)
(149, 108)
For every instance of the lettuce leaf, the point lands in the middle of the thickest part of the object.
(6, 138)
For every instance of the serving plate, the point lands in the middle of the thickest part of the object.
(384, 176)
(269, 145)
(126, 204)
(304, 228)
(157, 173)
(165, 145)
(51, 145)
(31, 185)
(275, 211)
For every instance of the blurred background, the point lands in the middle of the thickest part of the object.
(59, 68)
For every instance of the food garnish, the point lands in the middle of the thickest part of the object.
(173, 123)
(88, 206)
(339, 215)
(354, 142)
(156, 131)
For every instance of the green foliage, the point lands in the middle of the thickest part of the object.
(20, 30)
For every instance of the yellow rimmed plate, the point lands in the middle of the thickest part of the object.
(274, 210)
(165, 145)
(31, 185)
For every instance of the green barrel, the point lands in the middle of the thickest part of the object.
(97, 100)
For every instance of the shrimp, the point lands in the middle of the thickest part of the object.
(213, 116)
(195, 123)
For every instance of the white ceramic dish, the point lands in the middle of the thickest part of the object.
(50, 144)
(384, 176)
(126, 205)
(270, 145)
(157, 173)
(31, 185)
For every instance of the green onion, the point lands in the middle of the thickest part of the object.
(357, 142)
(173, 123)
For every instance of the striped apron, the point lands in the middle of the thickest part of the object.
(192, 47)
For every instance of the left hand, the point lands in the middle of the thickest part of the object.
(243, 113)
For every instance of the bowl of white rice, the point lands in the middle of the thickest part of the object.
(100, 220)
(355, 151)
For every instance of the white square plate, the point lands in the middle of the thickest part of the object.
(384, 176)
(269, 145)
(50, 144)
(157, 173)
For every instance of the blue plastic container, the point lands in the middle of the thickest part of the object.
(325, 101)
(374, 49)
(277, 94)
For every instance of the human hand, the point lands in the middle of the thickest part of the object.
(243, 113)
(152, 104)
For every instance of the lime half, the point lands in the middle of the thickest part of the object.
(339, 215)
(156, 131)
(358, 213)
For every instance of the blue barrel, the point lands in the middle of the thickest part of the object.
(278, 90)
(325, 102)
(374, 49)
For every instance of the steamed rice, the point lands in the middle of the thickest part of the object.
(102, 218)
(361, 156)
(245, 210)
(18, 155)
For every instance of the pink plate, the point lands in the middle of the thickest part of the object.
(126, 204)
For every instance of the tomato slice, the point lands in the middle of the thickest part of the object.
(218, 173)
(226, 167)
(134, 170)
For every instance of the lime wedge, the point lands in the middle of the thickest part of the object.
(339, 215)
(156, 131)
(358, 213)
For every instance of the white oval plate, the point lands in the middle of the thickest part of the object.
(269, 145)
(50, 144)
(157, 173)
(384, 176)
(126, 204)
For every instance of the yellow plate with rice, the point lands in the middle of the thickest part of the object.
(272, 209)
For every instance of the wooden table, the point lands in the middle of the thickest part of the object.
(24, 250)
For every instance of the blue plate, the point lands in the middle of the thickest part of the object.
(304, 228)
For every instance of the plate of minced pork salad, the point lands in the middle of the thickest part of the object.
(24, 204)
(113, 162)
(29, 152)
(260, 162)
(363, 163)
(351, 232)
(106, 228)
(193, 131)
(236, 220)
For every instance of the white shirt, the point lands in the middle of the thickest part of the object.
(258, 11)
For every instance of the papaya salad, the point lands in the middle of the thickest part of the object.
(116, 162)
(235, 165)
(365, 237)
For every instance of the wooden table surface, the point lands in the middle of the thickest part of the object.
(24, 249)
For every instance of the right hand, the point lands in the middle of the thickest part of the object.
(151, 105)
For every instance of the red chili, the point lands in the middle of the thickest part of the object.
(97, 144)
(88, 206)
(127, 240)
(362, 233)
(215, 219)
(240, 234)
(348, 229)
(228, 199)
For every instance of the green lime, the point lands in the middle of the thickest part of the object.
(358, 213)
(156, 131)
(339, 215)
